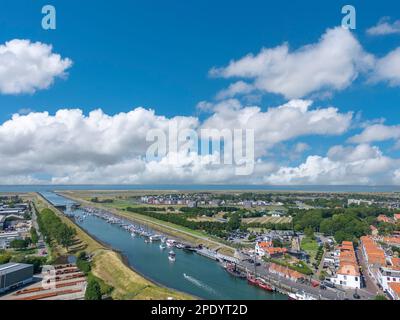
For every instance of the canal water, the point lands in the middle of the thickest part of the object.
(190, 273)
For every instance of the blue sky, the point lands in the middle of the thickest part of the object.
(158, 54)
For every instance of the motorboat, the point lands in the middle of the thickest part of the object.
(172, 256)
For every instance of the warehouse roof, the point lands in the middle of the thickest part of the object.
(12, 267)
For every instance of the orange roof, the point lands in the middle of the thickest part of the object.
(384, 218)
(285, 271)
(276, 250)
(265, 244)
(395, 286)
(397, 216)
(395, 263)
(392, 240)
(347, 260)
(375, 254)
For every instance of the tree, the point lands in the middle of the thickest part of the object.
(380, 297)
(5, 257)
(234, 222)
(309, 232)
(19, 243)
(34, 236)
(93, 290)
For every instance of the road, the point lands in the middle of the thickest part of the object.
(369, 282)
(327, 294)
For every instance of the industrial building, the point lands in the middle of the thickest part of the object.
(13, 275)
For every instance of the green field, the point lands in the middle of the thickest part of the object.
(310, 246)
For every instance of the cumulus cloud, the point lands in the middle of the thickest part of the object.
(387, 69)
(71, 147)
(385, 27)
(376, 132)
(279, 124)
(333, 63)
(26, 67)
(362, 164)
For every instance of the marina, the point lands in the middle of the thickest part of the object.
(184, 270)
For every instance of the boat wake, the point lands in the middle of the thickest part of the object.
(200, 284)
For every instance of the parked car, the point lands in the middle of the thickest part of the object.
(329, 284)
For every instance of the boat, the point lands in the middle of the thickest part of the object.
(301, 295)
(180, 246)
(162, 246)
(251, 280)
(171, 256)
(258, 282)
(170, 243)
(155, 237)
(233, 271)
(263, 285)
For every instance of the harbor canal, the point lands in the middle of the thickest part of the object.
(190, 272)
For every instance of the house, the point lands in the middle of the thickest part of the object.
(266, 248)
(397, 217)
(394, 290)
(7, 237)
(348, 273)
(374, 255)
(384, 218)
(387, 275)
(392, 241)
(359, 202)
(285, 272)
(374, 230)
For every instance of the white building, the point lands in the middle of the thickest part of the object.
(7, 237)
(386, 275)
(348, 274)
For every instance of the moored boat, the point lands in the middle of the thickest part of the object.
(233, 271)
(172, 256)
(301, 295)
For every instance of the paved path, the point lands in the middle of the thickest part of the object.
(369, 282)
(328, 294)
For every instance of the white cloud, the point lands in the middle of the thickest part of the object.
(385, 27)
(70, 147)
(26, 67)
(376, 132)
(234, 89)
(387, 69)
(279, 124)
(362, 164)
(301, 147)
(333, 63)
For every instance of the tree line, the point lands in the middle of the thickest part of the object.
(53, 228)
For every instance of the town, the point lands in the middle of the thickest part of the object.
(304, 245)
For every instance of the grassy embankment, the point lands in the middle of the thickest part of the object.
(194, 237)
(109, 267)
